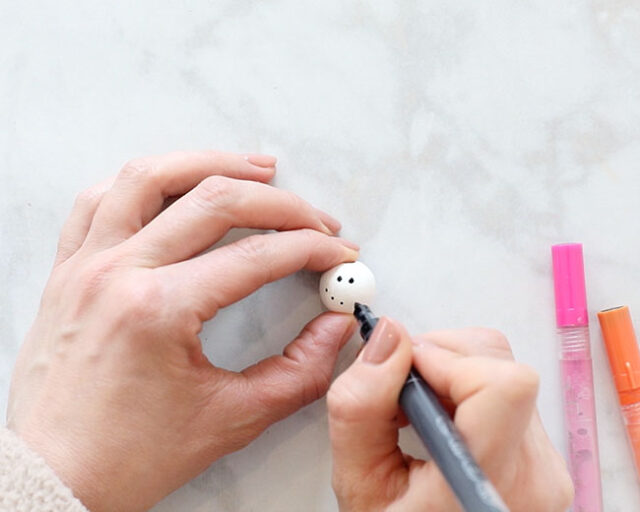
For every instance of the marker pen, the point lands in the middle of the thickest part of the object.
(438, 433)
(624, 360)
(577, 376)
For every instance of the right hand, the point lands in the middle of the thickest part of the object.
(492, 399)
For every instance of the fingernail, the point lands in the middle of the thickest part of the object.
(383, 342)
(261, 160)
(349, 244)
(350, 255)
(333, 225)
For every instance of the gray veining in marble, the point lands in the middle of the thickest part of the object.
(458, 138)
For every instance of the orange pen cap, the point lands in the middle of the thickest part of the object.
(622, 349)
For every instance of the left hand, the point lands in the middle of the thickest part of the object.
(111, 386)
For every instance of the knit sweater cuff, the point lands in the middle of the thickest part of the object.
(27, 484)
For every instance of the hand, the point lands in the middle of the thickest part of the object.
(111, 386)
(492, 399)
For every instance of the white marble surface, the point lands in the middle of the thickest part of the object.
(458, 138)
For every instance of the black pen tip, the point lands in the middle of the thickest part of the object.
(365, 318)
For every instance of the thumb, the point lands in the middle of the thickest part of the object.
(363, 405)
(280, 385)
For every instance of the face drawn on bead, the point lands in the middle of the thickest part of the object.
(342, 286)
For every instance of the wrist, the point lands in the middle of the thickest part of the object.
(67, 464)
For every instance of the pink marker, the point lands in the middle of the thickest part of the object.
(577, 376)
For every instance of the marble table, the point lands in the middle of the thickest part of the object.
(456, 141)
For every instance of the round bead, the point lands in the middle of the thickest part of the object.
(342, 286)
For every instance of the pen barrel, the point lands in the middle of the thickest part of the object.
(434, 426)
(580, 417)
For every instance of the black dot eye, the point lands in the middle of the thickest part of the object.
(341, 303)
(326, 289)
(339, 278)
(331, 298)
(351, 280)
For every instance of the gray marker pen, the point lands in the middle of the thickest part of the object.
(438, 433)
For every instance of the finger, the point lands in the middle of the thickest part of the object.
(141, 187)
(224, 276)
(403, 421)
(260, 159)
(203, 216)
(363, 407)
(280, 385)
(475, 341)
(495, 398)
(75, 229)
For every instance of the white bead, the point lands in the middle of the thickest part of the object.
(342, 286)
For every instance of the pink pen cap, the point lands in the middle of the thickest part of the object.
(568, 283)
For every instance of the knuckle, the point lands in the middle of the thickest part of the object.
(293, 208)
(216, 191)
(493, 341)
(313, 355)
(85, 283)
(252, 248)
(141, 301)
(94, 276)
(521, 381)
(294, 202)
(495, 338)
(316, 387)
(342, 405)
(311, 239)
(136, 169)
(88, 198)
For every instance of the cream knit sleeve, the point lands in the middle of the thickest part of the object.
(27, 484)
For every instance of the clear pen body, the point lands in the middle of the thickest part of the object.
(580, 417)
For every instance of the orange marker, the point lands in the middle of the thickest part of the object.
(624, 359)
